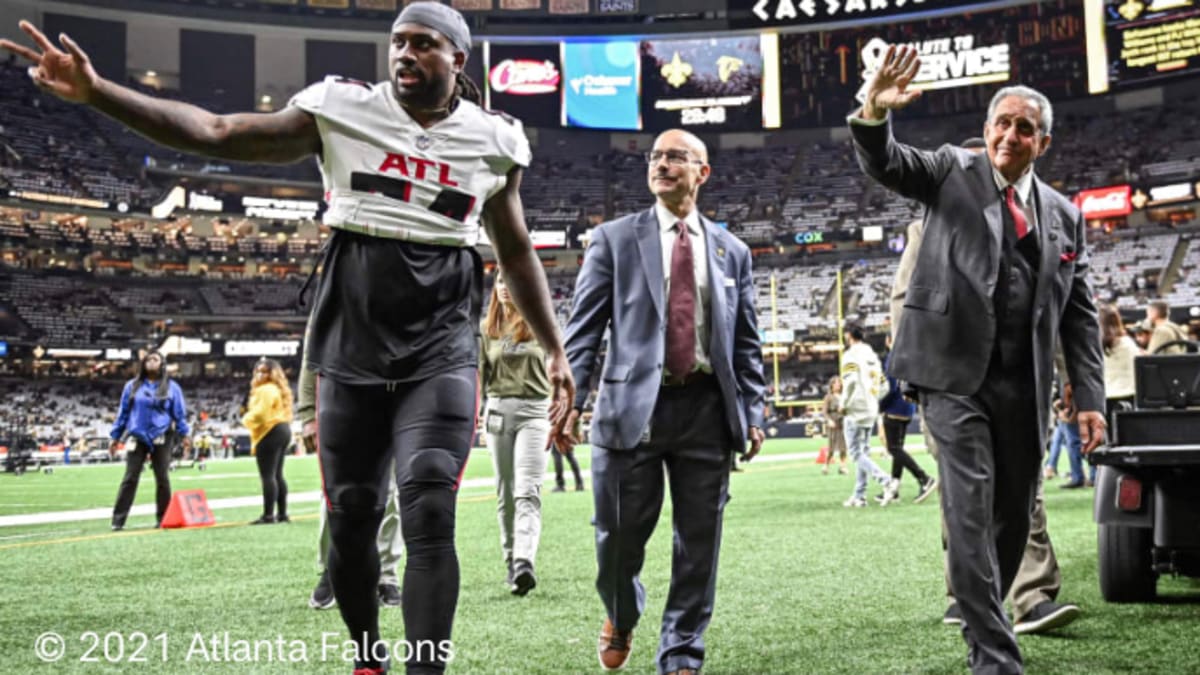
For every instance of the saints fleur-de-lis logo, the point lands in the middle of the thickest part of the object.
(1131, 10)
(727, 66)
(677, 71)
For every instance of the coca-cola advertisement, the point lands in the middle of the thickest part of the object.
(526, 82)
(1109, 202)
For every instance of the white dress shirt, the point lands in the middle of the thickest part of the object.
(668, 233)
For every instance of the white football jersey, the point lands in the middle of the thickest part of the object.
(386, 176)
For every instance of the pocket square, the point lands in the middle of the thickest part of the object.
(1067, 257)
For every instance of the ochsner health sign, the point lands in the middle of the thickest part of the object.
(602, 85)
(1109, 202)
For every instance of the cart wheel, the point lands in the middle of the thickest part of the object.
(1126, 573)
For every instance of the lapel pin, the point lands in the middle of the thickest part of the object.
(720, 252)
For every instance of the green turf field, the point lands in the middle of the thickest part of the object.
(805, 585)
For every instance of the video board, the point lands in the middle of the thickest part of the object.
(710, 83)
(964, 59)
(1143, 41)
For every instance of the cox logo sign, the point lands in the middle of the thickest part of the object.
(804, 238)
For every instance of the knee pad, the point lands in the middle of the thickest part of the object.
(433, 467)
(427, 498)
(355, 501)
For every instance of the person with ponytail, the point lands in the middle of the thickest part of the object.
(268, 417)
(512, 372)
(153, 416)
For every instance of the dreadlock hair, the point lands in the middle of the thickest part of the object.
(465, 88)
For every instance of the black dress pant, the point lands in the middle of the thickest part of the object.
(160, 460)
(989, 459)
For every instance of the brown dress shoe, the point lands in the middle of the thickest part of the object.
(614, 646)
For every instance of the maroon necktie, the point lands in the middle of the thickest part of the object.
(1018, 214)
(681, 307)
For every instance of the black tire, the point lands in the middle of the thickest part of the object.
(1126, 572)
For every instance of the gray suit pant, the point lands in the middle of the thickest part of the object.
(989, 460)
(1038, 579)
(690, 440)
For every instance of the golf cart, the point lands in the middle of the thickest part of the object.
(1147, 502)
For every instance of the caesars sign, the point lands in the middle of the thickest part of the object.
(758, 13)
(945, 62)
(525, 81)
(1109, 202)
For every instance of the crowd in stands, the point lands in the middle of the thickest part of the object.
(764, 194)
(62, 410)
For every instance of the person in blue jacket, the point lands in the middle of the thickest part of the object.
(897, 412)
(152, 416)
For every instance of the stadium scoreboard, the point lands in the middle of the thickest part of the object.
(1139, 42)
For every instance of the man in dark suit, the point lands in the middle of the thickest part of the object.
(1001, 273)
(681, 388)
(1035, 588)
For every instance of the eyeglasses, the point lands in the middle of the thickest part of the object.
(673, 157)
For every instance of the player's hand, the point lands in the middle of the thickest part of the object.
(1091, 430)
(756, 437)
(68, 74)
(308, 436)
(308, 430)
(566, 433)
(889, 87)
(562, 397)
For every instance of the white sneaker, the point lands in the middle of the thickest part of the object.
(854, 502)
(891, 492)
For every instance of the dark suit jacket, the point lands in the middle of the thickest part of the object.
(620, 289)
(946, 333)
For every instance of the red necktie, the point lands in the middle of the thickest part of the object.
(681, 307)
(1018, 214)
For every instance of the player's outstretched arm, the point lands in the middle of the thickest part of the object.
(284, 136)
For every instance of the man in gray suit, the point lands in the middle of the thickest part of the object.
(1001, 273)
(1034, 591)
(681, 388)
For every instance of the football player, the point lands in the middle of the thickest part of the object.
(411, 167)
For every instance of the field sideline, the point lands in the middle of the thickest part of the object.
(805, 585)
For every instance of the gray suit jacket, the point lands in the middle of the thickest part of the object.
(620, 288)
(945, 335)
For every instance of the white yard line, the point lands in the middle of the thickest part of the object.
(296, 497)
